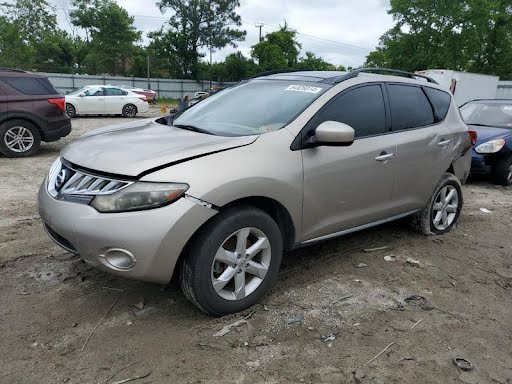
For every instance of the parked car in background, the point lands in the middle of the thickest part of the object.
(219, 194)
(150, 95)
(31, 111)
(492, 153)
(105, 100)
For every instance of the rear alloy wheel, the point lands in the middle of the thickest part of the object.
(233, 262)
(443, 209)
(502, 173)
(70, 110)
(129, 110)
(19, 138)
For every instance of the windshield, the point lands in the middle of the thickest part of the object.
(488, 114)
(251, 108)
(77, 92)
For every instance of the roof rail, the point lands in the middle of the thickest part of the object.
(275, 72)
(356, 72)
(12, 70)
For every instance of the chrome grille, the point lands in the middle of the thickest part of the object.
(64, 180)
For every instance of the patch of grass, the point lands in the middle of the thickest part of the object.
(167, 101)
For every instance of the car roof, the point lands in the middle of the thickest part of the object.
(335, 77)
(9, 72)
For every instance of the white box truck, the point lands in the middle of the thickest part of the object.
(465, 86)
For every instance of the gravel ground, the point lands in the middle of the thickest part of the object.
(333, 310)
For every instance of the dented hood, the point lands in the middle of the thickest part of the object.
(134, 148)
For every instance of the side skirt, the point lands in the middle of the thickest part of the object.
(356, 229)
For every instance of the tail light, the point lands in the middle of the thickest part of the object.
(60, 103)
(473, 136)
(142, 97)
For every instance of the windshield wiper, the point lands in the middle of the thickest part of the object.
(192, 128)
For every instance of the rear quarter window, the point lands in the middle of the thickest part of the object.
(410, 107)
(31, 85)
(440, 101)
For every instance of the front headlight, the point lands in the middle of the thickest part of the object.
(492, 146)
(140, 196)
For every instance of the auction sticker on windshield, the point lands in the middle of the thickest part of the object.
(303, 88)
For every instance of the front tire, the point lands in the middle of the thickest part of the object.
(129, 110)
(19, 138)
(233, 261)
(502, 172)
(442, 211)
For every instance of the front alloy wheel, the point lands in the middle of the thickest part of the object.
(241, 264)
(232, 262)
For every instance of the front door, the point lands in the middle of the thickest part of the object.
(348, 187)
(93, 103)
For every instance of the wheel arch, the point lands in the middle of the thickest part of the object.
(272, 207)
(25, 117)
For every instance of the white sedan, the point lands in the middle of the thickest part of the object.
(105, 100)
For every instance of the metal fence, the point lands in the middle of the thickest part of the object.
(168, 88)
(504, 90)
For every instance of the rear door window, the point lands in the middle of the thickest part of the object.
(31, 85)
(114, 92)
(410, 107)
(440, 101)
(362, 108)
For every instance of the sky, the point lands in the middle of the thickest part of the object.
(340, 31)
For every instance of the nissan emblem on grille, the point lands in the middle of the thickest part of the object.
(67, 181)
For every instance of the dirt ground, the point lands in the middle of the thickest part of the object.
(327, 317)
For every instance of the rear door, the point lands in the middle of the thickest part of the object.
(425, 142)
(115, 100)
(347, 187)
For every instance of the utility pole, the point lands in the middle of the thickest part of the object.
(260, 26)
(211, 65)
(149, 79)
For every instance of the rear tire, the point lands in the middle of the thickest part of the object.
(70, 110)
(502, 172)
(130, 110)
(442, 211)
(218, 273)
(19, 138)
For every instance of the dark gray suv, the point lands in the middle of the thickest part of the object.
(31, 111)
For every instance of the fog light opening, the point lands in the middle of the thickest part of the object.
(120, 259)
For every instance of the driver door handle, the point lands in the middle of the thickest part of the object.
(383, 157)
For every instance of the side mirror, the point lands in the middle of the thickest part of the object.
(333, 133)
(82, 95)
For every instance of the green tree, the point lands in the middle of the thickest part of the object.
(314, 63)
(196, 25)
(471, 35)
(278, 50)
(25, 24)
(110, 33)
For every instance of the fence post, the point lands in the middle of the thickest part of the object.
(182, 94)
(158, 86)
(133, 81)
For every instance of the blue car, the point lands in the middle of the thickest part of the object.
(492, 153)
